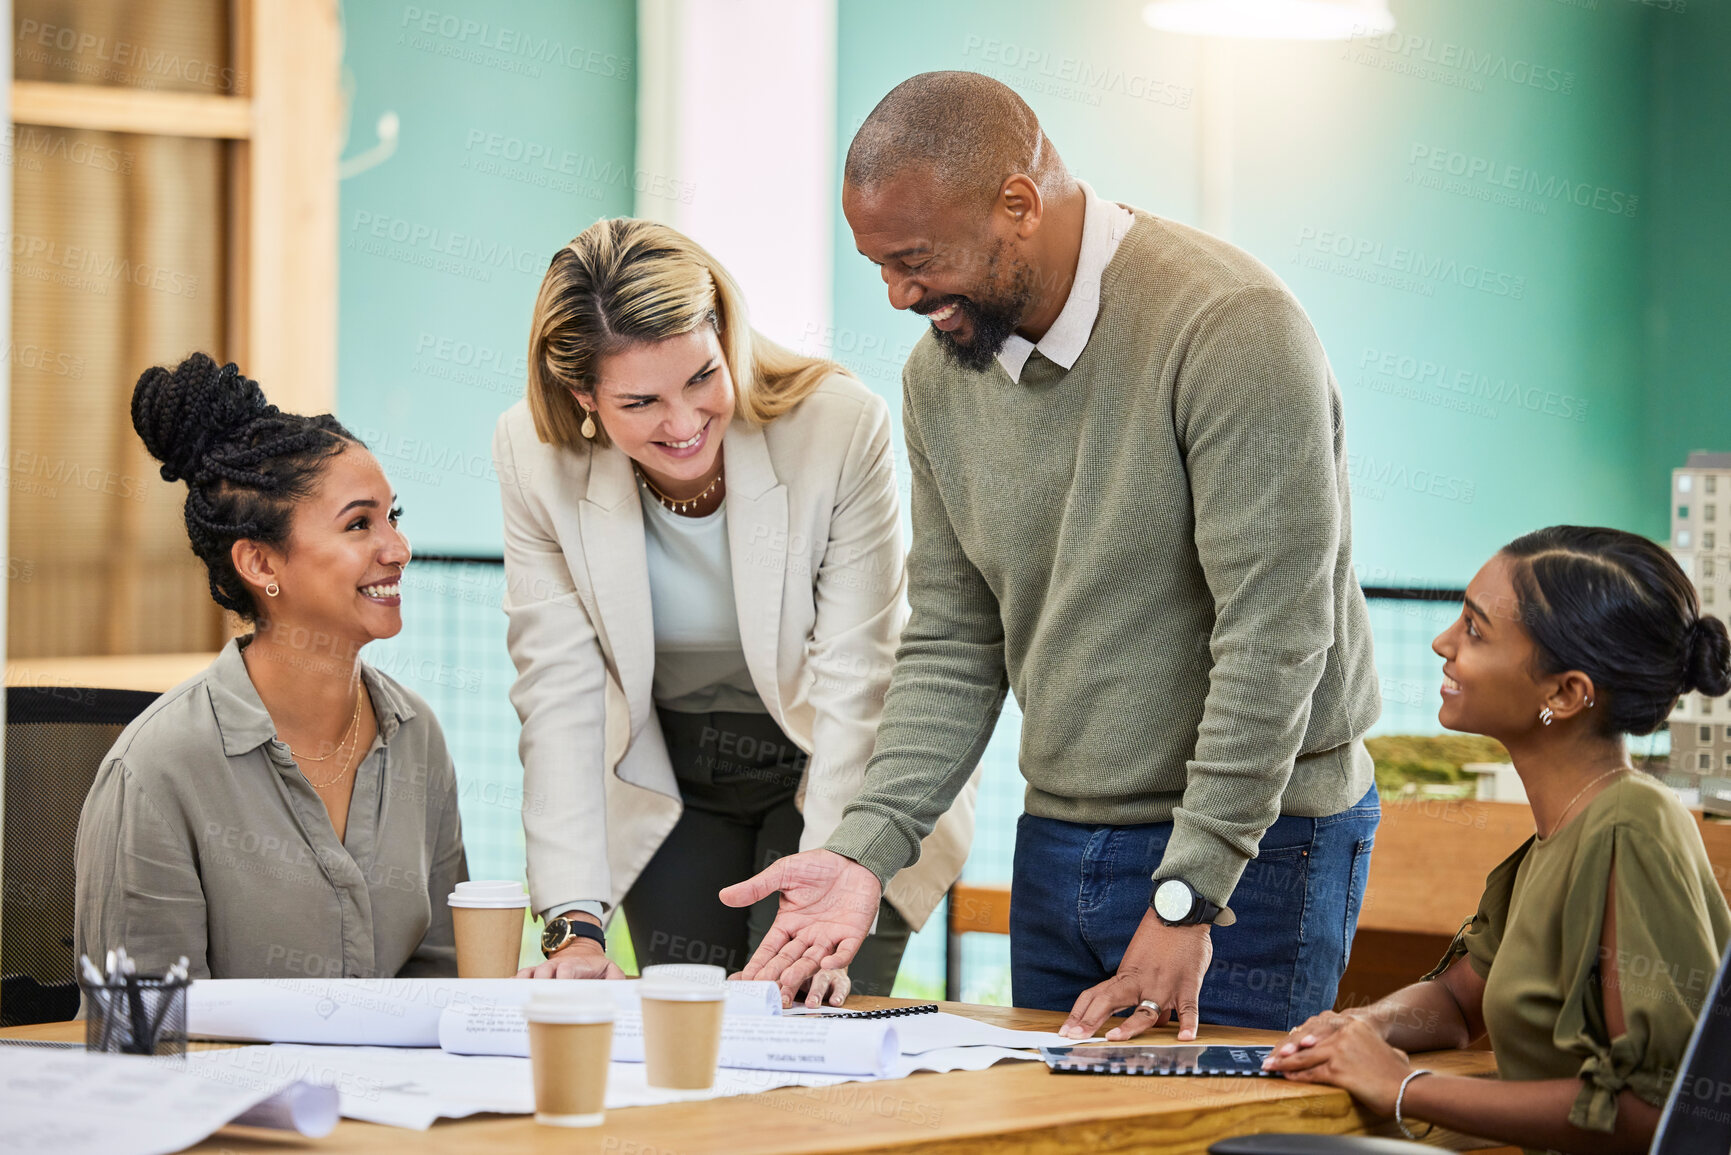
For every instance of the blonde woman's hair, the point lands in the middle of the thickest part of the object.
(626, 282)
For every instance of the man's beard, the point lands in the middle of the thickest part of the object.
(990, 322)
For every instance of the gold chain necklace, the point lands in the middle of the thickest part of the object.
(353, 721)
(347, 758)
(675, 504)
(1558, 824)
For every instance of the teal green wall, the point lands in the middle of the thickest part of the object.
(1535, 413)
(1687, 386)
(518, 123)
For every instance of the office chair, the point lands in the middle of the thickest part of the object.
(56, 737)
(1696, 1119)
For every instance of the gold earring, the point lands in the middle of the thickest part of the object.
(272, 590)
(589, 424)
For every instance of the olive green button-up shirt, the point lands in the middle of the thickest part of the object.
(200, 837)
(1536, 941)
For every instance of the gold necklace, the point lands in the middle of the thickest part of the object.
(675, 504)
(1558, 824)
(347, 758)
(353, 721)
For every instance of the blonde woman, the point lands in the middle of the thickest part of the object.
(704, 581)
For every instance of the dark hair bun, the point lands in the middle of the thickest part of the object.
(1709, 669)
(181, 413)
(1621, 610)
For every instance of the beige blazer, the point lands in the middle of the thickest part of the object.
(819, 578)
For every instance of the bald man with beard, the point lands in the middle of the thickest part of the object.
(1130, 508)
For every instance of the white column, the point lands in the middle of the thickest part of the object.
(736, 115)
(1214, 143)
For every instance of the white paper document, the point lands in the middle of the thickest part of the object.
(387, 1012)
(397, 1086)
(415, 1087)
(77, 1103)
(758, 1042)
(928, 1032)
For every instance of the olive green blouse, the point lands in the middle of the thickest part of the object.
(200, 837)
(1535, 942)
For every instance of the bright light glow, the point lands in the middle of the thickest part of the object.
(1272, 19)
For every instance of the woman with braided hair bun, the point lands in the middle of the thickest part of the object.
(289, 810)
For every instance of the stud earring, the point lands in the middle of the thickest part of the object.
(272, 590)
(589, 424)
(1545, 715)
(1589, 703)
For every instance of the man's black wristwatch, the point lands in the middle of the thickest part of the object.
(1176, 903)
(561, 932)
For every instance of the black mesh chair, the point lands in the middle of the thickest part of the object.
(1696, 1120)
(56, 737)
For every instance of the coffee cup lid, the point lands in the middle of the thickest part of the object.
(562, 1003)
(489, 894)
(678, 991)
(684, 972)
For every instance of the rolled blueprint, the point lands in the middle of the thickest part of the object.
(389, 1012)
(754, 1042)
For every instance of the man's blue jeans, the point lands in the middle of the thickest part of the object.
(1080, 892)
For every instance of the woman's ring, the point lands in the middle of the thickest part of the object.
(1150, 1006)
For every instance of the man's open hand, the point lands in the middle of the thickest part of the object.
(1163, 964)
(828, 903)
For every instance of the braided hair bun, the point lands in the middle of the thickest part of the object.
(246, 463)
(181, 413)
(1709, 669)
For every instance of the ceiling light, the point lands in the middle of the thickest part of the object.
(1272, 19)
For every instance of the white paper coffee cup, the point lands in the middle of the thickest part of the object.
(570, 1053)
(681, 1032)
(487, 918)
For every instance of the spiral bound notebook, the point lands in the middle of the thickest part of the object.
(1158, 1060)
(886, 1013)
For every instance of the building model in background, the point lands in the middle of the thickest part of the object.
(1701, 541)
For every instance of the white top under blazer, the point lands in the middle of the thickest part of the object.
(700, 663)
(819, 581)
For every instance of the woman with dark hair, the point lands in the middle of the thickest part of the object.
(1596, 942)
(289, 810)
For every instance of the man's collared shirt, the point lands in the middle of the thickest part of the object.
(1104, 225)
(201, 837)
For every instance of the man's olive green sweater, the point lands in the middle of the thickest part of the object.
(1152, 550)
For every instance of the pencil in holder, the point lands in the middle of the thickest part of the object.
(136, 1015)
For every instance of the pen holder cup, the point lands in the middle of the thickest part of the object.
(144, 1017)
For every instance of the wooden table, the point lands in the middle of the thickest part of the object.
(1013, 1106)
